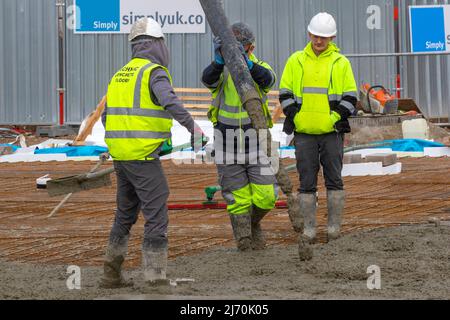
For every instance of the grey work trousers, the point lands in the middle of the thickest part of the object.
(315, 150)
(234, 178)
(141, 185)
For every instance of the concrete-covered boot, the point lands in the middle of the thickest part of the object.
(258, 240)
(242, 230)
(154, 261)
(335, 202)
(308, 208)
(305, 251)
(294, 212)
(112, 267)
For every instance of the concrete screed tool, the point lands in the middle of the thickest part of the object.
(94, 179)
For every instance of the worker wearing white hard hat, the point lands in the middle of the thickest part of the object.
(141, 104)
(318, 93)
(146, 27)
(323, 25)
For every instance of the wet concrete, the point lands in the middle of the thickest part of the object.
(414, 262)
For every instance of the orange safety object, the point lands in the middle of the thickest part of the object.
(379, 94)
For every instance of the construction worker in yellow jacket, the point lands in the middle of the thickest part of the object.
(245, 175)
(141, 104)
(318, 93)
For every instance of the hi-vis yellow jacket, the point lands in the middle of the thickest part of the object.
(227, 107)
(136, 127)
(318, 84)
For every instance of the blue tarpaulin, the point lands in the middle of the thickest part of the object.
(406, 145)
(412, 145)
(84, 151)
(14, 148)
(403, 145)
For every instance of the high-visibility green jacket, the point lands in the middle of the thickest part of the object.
(227, 107)
(136, 127)
(318, 84)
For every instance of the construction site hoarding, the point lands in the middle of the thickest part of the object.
(28, 62)
(117, 16)
(430, 28)
(366, 28)
(425, 78)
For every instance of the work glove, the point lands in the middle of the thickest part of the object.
(249, 62)
(218, 58)
(342, 125)
(290, 112)
(198, 139)
(341, 113)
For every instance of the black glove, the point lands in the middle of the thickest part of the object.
(290, 112)
(288, 126)
(342, 126)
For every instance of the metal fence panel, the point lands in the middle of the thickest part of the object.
(28, 58)
(426, 79)
(29, 43)
(280, 27)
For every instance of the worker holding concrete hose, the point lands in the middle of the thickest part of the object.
(141, 104)
(245, 175)
(318, 93)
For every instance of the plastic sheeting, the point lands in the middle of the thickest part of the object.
(412, 145)
(84, 151)
(14, 148)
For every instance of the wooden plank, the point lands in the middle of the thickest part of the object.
(191, 98)
(192, 90)
(196, 106)
(277, 112)
(273, 93)
(199, 114)
(197, 102)
(206, 106)
(92, 119)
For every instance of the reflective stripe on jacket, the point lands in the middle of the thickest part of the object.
(227, 107)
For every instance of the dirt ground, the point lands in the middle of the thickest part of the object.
(414, 263)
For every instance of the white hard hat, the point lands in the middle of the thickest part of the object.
(145, 27)
(323, 25)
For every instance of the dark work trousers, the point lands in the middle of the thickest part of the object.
(141, 185)
(311, 151)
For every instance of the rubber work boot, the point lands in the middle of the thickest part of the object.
(112, 267)
(335, 203)
(154, 262)
(305, 251)
(242, 231)
(294, 213)
(258, 240)
(308, 207)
